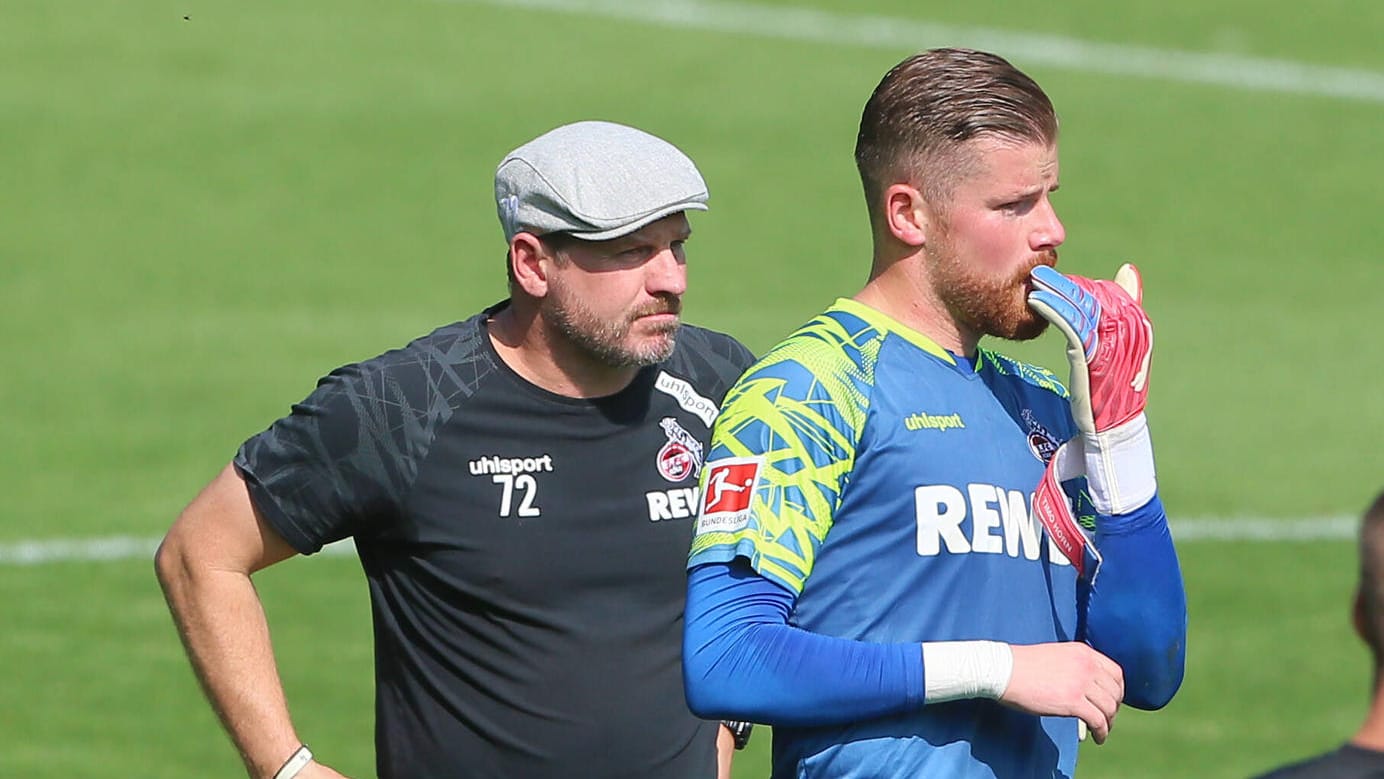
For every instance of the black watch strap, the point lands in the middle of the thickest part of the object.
(739, 731)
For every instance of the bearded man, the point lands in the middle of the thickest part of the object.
(901, 584)
(519, 487)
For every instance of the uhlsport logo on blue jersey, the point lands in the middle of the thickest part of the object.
(925, 421)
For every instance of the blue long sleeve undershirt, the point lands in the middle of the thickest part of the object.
(1136, 610)
(743, 660)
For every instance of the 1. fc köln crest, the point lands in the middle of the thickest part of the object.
(1041, 442)
(681, 457)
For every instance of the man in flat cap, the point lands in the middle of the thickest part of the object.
(519, 486)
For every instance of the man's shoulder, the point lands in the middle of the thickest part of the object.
(705, 354)
(1346, 762)
(1024, 373)
(451, 361)
(450, 344)
(834, 346)
(824, 370)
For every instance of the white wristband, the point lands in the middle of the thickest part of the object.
(295, 763)
(965, 669)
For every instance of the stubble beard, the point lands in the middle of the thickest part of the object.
(987, 305)
(604, 340)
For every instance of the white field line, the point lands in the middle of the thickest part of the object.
(1259, 529)
(1027, 49)
(85, 550)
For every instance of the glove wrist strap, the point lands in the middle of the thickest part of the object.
(1119, 467)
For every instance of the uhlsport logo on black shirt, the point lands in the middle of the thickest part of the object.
(518, 488)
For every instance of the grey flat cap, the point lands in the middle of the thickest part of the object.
(594, 180)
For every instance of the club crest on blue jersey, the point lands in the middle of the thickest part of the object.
(681, 457)
(1041, 442)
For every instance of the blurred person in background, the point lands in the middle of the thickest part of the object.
(873, 573)
(519, 487)
(1362, 757)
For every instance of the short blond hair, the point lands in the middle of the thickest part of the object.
(920, 116)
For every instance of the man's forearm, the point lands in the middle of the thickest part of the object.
(742, 660)
(224, 630)
(725, 751)
(1137, 608)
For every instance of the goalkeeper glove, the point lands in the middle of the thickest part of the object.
(1109, 344)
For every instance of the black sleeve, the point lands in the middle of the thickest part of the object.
(343, 461)
(725, 357)
(734, 352)
(738, 354)
(324, 471)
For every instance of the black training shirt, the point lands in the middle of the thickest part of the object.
(525, 551)
(1347, 762)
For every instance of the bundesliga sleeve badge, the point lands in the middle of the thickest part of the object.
(729, 488)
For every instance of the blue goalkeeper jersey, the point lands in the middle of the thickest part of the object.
(889, 485)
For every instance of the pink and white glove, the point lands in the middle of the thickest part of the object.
(1109, 345)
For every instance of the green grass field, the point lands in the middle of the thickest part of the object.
(208, 205)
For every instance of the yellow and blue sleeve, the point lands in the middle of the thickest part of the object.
(792, 422)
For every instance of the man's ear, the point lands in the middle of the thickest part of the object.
(529, 262)
(1358, 618)
(906, 214)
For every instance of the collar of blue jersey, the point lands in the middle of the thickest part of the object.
(886, 322)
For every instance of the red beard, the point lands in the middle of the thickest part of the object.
(991, 306)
